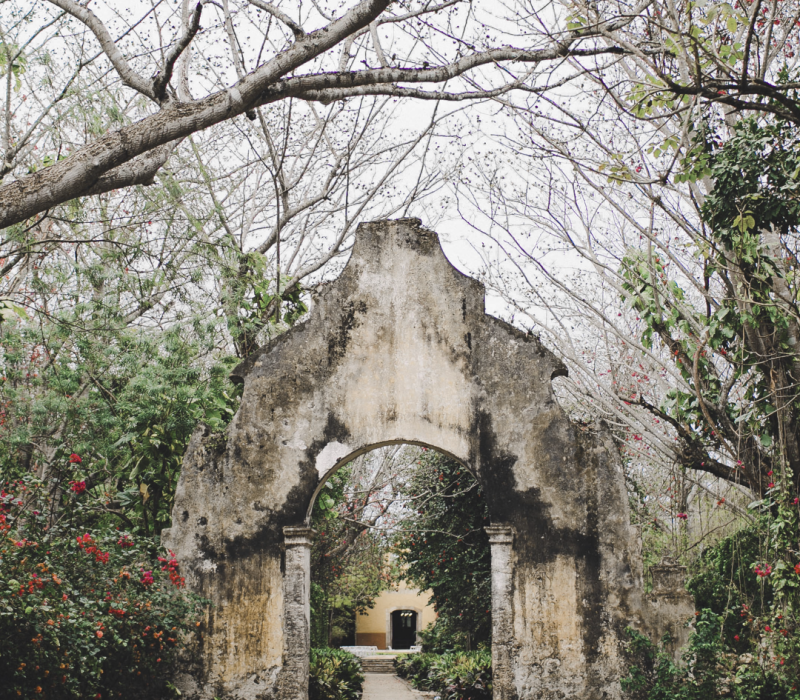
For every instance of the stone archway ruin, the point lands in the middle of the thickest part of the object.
(399, 349)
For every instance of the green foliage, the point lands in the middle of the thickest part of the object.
(11, 54)
(443, 636)
(454, 676)
(724, 578)
(746, 642)
(334, 675)
(415, 668)
(739, 416)
(444, 548)
(127, 402)
(710, 668)
(84, 614)
(254, 303)
(755, 187)
(348, 566)
(742, 346)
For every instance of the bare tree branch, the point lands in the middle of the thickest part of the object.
(79, 173)
(130, 77)
(297, 30)
(161, 81)
(140, 171)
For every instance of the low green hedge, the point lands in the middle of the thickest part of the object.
(456, 676)
(334, 675)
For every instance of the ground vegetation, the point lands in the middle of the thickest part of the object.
(334, 675)
(452, 676)
(85, 611)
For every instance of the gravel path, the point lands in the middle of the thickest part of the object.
(383, 686)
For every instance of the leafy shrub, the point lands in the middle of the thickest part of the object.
(416, 668)
(84, 614)
(466, 676)
(335, 674)
(447, 635)
(456, 676)
(710, 668)
(723, 578)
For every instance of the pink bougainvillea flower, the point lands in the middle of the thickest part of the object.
(763, 573)
(797, 568)
(147, 578)
(770, 485)
(683, 516)
(78, 486)
(75, 459)
(87, 544)
(171, 566)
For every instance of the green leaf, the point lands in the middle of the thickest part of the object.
(8, 310)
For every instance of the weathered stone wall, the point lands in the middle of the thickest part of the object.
(399, 349)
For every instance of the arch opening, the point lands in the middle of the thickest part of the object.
(328, 467)
(401, 552)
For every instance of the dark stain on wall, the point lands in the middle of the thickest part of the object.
(338, 340)
(538, 539)
(233, 482)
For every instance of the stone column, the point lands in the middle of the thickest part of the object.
(501, 539)
(296, 612)
(671, 603)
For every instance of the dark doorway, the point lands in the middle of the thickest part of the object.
(404, 629)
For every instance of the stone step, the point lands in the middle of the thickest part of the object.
(388, 670)
(377, 664)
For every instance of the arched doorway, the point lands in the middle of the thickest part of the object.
(400, 349)
(404, 629)
(400, 547)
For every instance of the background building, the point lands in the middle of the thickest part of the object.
(396, 619)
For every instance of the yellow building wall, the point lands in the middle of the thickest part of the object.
(373, 628)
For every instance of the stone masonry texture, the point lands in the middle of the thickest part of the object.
(399, 349)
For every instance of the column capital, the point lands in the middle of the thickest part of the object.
(299, 536)
(500, 534)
